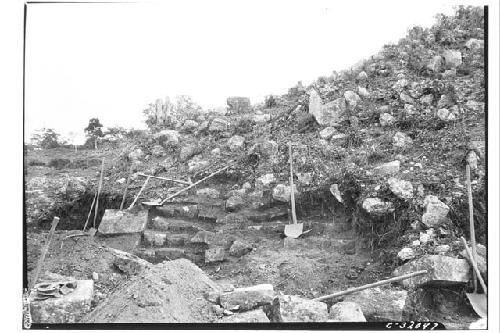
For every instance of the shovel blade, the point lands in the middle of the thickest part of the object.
(479, 303)
(294, 230)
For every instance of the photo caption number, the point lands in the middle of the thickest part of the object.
(412, 325)
(26, 310)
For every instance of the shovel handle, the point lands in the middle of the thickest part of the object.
(471, 221)
(474, 266)
(292, 194)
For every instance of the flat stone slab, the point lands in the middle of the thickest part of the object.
(380, 304)
(442, 271)
(178, 210)
(214, 254)
(243, 299)
(174, 225)
(290, 308)
(254, 316)
(68, 308)
(117, 221)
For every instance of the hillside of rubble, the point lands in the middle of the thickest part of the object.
(379, 156)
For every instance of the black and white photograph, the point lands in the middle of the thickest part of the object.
(256, 165)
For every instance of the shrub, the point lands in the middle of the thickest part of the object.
(46, 138)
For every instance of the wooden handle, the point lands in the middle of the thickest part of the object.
(471, 223)
(371, 285)
(98, 192)
(166, 179)
(45, 249)
(475, 268)
(139, 194)
(194, 184)
(292, 192)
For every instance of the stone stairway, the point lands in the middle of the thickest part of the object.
(200, 229)
(171, 230)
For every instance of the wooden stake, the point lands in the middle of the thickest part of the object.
(472, 229)
(98, 191)
(45, 249)
(166, 179)
(139, 194)
(126, 186)
(90, 212)
(292, 192)
(194, 184)
(476, 269)
(371, 285)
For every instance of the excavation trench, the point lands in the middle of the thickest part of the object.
(74, 215)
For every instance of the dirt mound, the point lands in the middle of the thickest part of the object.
(77, 257)
(170, 292)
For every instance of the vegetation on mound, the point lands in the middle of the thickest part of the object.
(400, 80)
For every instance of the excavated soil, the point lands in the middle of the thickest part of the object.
(170, 292)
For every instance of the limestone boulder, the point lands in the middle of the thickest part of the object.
(442, 271)
(387, 168)
(327, 114)
(283, 192)
(168, 138)
(401, 140)
(435, 213)
(386, 119)
(219, 125)
(435, 64)
(327, 133)
(189, 151)
(254, 316)
(403, 189)
(239, 248)
(376, 206)
(452, 58)
(214, 254)
(236, 143)
(406, 254)
(244, 299)
(190, 126)
(352, 99)
(346, 312)
(290, 308)
(379, 304)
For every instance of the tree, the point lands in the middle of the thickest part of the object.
(163, 114)
(94, 130)
(46, 138)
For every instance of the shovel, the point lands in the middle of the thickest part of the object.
(478, 301)
(293, 230)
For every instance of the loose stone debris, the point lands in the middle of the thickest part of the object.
(379, 182)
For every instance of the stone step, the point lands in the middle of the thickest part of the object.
(326, 228)
(158, 238)
(267, 215)
(210, 213)
(179, 210)
(157, 255)
(178, 225)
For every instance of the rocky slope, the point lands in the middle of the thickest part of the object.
(380, 148)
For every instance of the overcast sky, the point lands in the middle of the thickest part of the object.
(110, 60)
